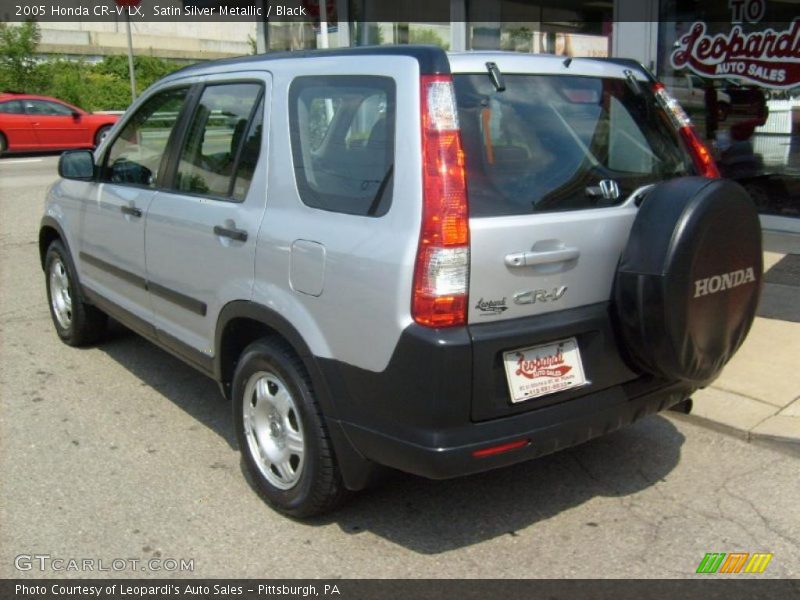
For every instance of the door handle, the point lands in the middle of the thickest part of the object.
(131, 210)
(240, 235)
(531, 259)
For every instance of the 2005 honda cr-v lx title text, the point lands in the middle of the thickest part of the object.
(394, 256)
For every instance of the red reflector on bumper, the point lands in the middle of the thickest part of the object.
(492, 450)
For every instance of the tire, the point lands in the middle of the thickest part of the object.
(3, 144)
(689, 280)
(101, 134)
(281, 432)
(76, 323)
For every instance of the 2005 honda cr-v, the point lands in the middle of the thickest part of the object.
(440, 263)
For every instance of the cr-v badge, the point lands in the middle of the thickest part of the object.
(534, 296)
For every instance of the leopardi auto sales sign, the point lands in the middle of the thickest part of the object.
(768, 58)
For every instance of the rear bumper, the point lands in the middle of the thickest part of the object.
(418, 415)
(546, 430)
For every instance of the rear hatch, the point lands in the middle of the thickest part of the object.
(556, 152)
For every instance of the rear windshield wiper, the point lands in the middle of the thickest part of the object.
(376, 200)
(496, 76)
(633, 83)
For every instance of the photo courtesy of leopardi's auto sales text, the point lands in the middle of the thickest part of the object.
(422, 299)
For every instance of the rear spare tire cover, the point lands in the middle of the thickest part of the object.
(689, 279)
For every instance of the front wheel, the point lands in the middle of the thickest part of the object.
(76, 322)
(281, 432)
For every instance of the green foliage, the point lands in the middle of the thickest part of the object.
(17, 62)
(85, 85)
(101, 86)
(148, 69)
(426, 36)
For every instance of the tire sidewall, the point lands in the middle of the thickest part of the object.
(3, 144)
(55, 251)
(263, 356)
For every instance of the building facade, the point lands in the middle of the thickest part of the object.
(191, 41)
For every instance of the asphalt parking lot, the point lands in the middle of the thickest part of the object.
(123, 452)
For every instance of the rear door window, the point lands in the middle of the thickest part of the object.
(222, 144)
(546, 143)
(342, 132)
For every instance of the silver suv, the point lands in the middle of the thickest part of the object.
(394, 256)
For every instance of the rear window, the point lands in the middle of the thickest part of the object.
(552, 143)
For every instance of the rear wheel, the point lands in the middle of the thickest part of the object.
(76, 322)
(282, 433)
(3, 144)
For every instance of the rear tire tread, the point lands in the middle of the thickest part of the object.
(327, 491)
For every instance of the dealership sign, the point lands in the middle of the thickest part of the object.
(769, 58)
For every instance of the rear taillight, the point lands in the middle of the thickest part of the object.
(441, 273)
(701, 157)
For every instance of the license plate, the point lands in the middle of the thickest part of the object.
(542, 370)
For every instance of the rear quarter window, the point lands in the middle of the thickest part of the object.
(547, 142)
(13, 107)
(342, 134)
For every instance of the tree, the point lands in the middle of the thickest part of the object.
(17, 55)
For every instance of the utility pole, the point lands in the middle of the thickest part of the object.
(130, 56)
(127, 5)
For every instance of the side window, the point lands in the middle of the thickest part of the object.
(342, 134)
(223, 142)
(135, 155)
(251, 148)
(14, 107)
(45, 108)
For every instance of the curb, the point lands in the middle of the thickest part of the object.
(788, 444)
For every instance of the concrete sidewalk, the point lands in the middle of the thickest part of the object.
(758, 394)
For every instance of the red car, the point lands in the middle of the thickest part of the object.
(29, 122)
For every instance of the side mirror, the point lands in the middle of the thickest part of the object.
(76, 115)
(76, 164)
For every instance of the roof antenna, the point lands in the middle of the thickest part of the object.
(567, 62)
(496, 76)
